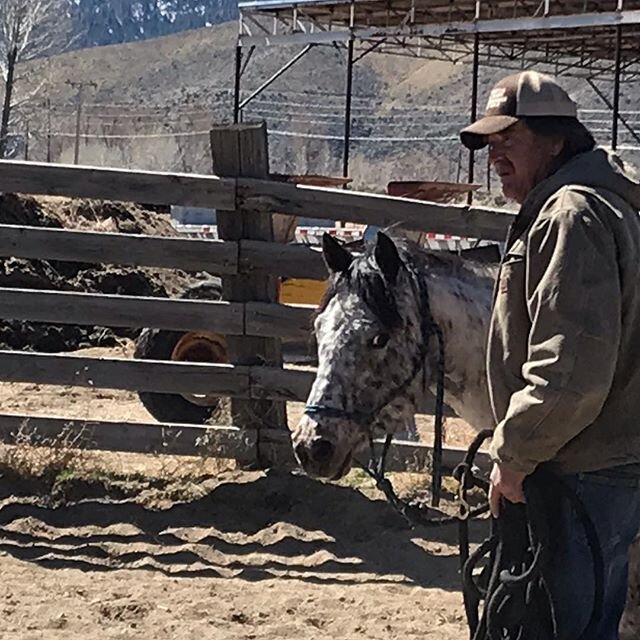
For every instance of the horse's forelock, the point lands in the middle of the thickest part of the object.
(376, 293)
(365, 280)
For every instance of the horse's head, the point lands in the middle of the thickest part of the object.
(371, 336)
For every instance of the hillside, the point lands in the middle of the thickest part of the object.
(406, 112)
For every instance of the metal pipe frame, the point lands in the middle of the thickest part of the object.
(236, 84)
(609, 105)
(340, 32)
(474, 106)
(616, 90)
(275, 76)
(572, 43)
(347, 110)
(568, 48)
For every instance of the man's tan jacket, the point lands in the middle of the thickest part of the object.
(564, 340)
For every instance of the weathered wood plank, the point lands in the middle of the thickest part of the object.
(291, 261)
(403, 455)
(289, 384)
(119, 248)
(261, 196)
(283, 321)
(128, 375)
(416, 457)
(257, 382)
(150, 187)
(214, 256)
(196, 440)
(264, 319)
(128, 437)
(243, 150)
(124, 311)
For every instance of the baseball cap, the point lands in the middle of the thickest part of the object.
(527, 93)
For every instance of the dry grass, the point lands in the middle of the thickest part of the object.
(66, 457)
(36, 455)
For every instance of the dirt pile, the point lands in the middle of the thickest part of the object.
(76, 276)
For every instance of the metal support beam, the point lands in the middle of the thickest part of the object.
(616, 89)
(236, 86)
(246, 61)
(474, 105)
(371, 49)
(609, 105)
(276, 75)
(347, 110)
(448, 29)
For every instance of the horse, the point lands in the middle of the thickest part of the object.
(377, 330)
(380, 330)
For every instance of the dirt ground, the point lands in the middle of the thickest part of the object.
(127, 546)
(244, 556)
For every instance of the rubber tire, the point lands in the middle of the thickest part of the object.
(158, 344)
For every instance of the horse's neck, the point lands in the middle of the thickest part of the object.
(461, 308)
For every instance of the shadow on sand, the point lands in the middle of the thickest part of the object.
(275, 525)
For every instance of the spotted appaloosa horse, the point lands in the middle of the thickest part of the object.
(378, 347)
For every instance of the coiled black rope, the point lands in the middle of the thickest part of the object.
(505, 589)
(517, 555)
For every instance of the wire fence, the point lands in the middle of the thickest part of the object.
(384, 139)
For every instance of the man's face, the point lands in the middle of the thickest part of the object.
(521, 159)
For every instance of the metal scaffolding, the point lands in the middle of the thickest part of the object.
(598, 41)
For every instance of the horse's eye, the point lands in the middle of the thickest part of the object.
(380, 341)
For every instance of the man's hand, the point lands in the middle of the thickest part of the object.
(504, 483)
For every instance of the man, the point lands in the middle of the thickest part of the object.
(564, 340)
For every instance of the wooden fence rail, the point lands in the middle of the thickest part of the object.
(223, 380)
(215, 256)
(128, 437)
(263, 196)
(151, 187)
(188, 440)
(232, 318)
(252, 195)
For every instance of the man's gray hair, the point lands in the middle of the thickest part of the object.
(577, 138)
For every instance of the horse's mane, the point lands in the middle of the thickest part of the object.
(365, 279)
(459, 266)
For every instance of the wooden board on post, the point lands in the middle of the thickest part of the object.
(242, 150)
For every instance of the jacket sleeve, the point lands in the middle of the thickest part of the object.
(573, 296)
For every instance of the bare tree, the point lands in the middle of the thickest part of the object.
(28, 29)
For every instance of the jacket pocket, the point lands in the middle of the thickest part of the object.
(512, 265)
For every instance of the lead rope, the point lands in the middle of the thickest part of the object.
(518, 603)
(508, 598)
(438, 419)
(415, 514)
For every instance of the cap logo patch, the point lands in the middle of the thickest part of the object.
(497, 98)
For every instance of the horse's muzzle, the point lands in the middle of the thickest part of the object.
(318, 454)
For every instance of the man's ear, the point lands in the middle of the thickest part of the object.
(557, 146)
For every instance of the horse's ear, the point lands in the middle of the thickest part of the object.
(387, 256)
(336, 257)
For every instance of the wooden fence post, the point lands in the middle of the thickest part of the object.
(242, 150)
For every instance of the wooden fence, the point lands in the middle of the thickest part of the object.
(245, 258)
